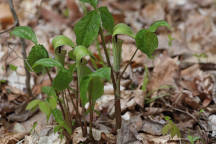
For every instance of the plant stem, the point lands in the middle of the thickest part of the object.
(116, 92)
(128, 63)
(117, 47)
(91, 116)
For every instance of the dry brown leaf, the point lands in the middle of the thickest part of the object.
(165, 72)
(6, 17)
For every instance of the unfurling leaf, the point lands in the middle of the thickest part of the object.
(62, 40)
(62, 80)
(157, 24)
(80, 52)
(107, 19)
(25, 32)
(147, 42)
(37, 52)
(123, 29)
(87, 28)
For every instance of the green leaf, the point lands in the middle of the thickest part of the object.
(107, 19)
(37, 52)
(52, 102)
(147, 42)
(25, 32)
(104, 73)
(44, 107)
(62, 40)
(96, 89)
(48, 62)
(84, 89)
(12, 67)
(57, 128)
(62, 80)
(33, 104)
(92, 2)
(166, 129)
(94, 84)
(87, 28)
(145, 79)
(50, 91)
(157, 24)
(123, 29)
(80, 52)
(57, 115)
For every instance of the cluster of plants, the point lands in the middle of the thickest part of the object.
(89, 81)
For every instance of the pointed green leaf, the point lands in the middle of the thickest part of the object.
(12, 67)
(157, 24)
(94, 78)
(50, 91)
(47, 62)
(107, 19)
(33, 104)
(147, 42)
(87, 28)
(25, 32)
(57, 115)
(37, 52)
(123, 29)
(96, 89)
(62, 80)
(45, 108)
(103, 73)
(80, 52)
(62, 40)
(84, 89)
(52, 102)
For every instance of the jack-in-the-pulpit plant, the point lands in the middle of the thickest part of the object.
(89, 82)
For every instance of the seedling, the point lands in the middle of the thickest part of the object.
(193, 139)
(89, 84)
(171, 128)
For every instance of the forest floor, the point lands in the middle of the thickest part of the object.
(181, 76)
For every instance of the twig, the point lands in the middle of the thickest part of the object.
(28, 75)
(128, 63)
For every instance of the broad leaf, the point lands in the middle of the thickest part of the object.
(48, 62)
(37, 52)
(62, 40)
(157, 24)
(123, 29)
(92, 2)
(147, 42)
(96, 89)
(80, 52)
(84, 84)
(33, 104)
(103, 73)
(87, 28)
(62, 80)
(107, 19)
(25, 32)
(95, 79)
(44, 107)
(52, 102)
(57, 115)
(50, 91)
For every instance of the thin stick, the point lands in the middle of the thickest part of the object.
(28, 75)
(128, 63)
